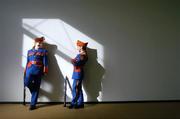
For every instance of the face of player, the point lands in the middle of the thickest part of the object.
(79, 48)
(38, 45)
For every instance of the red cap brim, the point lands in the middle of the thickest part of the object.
(80, 43)
(39, 39)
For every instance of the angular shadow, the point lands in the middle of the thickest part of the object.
(93, 76)
(54, 78)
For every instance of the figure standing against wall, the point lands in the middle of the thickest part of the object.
(36, 67)
(78, 75)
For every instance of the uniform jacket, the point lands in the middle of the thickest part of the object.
(78, 63)
(37, 62)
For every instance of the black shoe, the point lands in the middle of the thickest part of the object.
(79, 106)
(71, 106)
(32, 107)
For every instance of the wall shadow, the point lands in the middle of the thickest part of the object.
(54, 78)
(93, 76)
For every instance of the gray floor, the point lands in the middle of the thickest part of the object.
(156, 110)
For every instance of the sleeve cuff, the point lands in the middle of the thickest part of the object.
(46, 70)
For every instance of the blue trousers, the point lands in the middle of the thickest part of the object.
(77, 93)
(33, 83)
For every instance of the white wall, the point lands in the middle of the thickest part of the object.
(138, 50)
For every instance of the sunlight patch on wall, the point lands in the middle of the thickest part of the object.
(64, 37)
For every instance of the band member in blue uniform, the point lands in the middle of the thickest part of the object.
(78, 75)
(37, 65)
